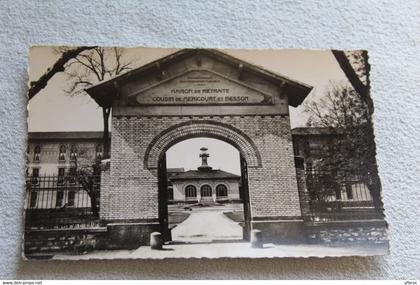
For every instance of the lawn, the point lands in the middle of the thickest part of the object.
(236, 216)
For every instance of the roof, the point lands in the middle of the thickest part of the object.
(208, 174)
(314, 131)
(105, 92)
(65, 135)
(172, 170)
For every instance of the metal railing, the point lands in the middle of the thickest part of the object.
(340, 196)
(61, 202)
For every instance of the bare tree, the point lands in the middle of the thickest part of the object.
(91, 67)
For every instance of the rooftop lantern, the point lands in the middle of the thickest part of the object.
(204, 156)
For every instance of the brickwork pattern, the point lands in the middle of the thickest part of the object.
(199, 128)
(106, 193)
(133, 190)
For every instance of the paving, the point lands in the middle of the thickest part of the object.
(207, 225)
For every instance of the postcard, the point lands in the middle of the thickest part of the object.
(200, 153)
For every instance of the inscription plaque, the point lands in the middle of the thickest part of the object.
(201, 87)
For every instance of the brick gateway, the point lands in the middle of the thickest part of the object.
(199, 93)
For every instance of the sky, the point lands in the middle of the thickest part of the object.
(186, 154)
(53, 110)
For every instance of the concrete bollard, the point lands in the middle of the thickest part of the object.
(156, 241)
(256, 239)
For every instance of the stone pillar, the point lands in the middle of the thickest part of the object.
(198, 193)
(156, 240)
(273, 187)
(256, 239)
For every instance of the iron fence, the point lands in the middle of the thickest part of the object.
(340, 196)
(61, 202)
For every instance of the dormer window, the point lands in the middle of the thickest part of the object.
(37, 153)
(73, 152)
(62, 153)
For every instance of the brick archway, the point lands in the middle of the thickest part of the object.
(201, 128)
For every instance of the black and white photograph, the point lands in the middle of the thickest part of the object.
(152, 153)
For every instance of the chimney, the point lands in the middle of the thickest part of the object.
(204, 155)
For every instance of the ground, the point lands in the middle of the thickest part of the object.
(208, 224)
(208, 233)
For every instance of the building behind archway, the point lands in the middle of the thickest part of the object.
(205, 184)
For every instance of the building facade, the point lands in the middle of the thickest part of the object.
(52, 162)
(57, 153)
(205, 184)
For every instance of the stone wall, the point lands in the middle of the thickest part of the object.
(343, 233)
(45, 242)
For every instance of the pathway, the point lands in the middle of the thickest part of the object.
(207, 225)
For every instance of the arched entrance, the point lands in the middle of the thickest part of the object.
(209, 129)
(198, 93)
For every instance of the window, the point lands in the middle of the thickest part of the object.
(70, 198)
(37, 153)
(72, 171)
(221, 190)
(62, 153)
(72, 175)
(190, 191)
(296, 148)
(349, 191)
(33, 199)
(60, 178)
(73, 152)
(205, 191)
(61, 171)
(59, 198)
(35, 176)
(99, 151)
(170, 193)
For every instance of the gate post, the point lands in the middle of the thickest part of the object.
(302, 189)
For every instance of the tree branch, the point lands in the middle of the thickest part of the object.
(58, 66)
(354, 79)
